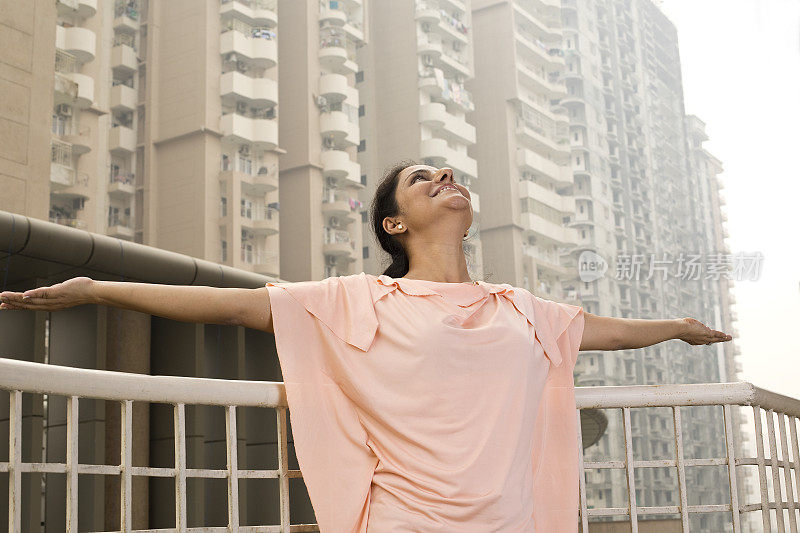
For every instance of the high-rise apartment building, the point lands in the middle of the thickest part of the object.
(415, 68)
(164, 125)
(319, 128)
(523, 149)
(582, 149)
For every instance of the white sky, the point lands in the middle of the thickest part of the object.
(741, 76)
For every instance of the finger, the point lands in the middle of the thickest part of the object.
(41, 292)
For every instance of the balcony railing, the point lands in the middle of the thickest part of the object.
(777, 496)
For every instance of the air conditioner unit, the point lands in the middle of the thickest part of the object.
(244, 150)
(330, 182)
(321, 101)
(426, 27)
(241, 107)
(427, 60)
(457, 46)
(330, 260)
(64, 110)
(271, 113)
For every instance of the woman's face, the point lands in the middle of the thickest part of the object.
(425, 201)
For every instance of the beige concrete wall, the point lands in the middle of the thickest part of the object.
(27, 40)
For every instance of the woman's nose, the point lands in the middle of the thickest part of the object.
(444, 174)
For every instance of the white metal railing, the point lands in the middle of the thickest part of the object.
(22, 377)
(726, 395)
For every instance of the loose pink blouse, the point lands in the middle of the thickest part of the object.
(425, 406)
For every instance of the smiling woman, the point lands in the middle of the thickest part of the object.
(447, 404)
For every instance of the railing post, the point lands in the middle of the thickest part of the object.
(15, 460)
(233, 469)
(795, 450)
(676, 419)
(126, 463)
(180, 467)
(72, 464)
(283, 469)
(582, 479)
(776, 475)
(730, 452)
(629, 470)
(762, 470)
(787, 472)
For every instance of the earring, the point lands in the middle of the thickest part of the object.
(399, 226)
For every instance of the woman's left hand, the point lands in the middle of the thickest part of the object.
(695, 332)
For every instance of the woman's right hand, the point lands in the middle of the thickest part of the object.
(74, 291)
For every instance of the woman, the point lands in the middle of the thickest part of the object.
(420, 400)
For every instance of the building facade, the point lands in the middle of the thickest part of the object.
(416, 105)
(585, 147)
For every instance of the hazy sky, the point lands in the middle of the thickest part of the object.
(741, 76)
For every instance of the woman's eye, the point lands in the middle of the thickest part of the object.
(414, 179)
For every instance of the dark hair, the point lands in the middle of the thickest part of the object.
(384, 204)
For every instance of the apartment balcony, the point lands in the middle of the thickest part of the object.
(80, 42)
(65, 91)
(331, 15)
(339, 205)
(441, 155)
(121, 185)
(79, 136)
(440, 89)
(530, 161)
(454, 63)
(551, 232)
(235, 86)
(82, 8)
(123, 60)
(540, 82)
(334, 55)
(238, 129)
(531, 189)
(338, 243)
(336, 164)
(544, 140)
(335, 88)
(261, 220)
(538, 52)
(121, 141)
(126, 17)
(67, 182)
(430, 44)
(253, 12)
(120, 227)
(264, 262)
(435, 116)
(123, 98)
(71, 222)
(545, 260)
(260, 182)
(548, 29)
(428, 14)
(337, 126)
(453, 29)
(259, 52)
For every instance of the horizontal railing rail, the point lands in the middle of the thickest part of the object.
(20, 377)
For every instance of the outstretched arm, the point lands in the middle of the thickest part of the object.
(186, 303)
(610, 333)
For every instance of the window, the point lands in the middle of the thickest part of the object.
(364, 216)
(362, 145)
(224, 245)
(365, 252)
(363, 179)
(361, 110)
(359, 76)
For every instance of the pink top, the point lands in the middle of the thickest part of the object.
(428, 406)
